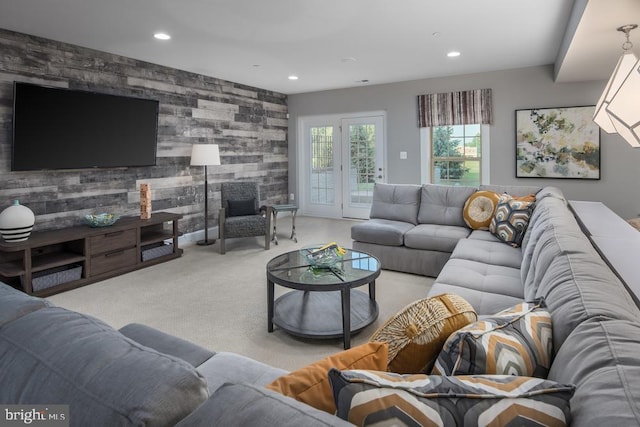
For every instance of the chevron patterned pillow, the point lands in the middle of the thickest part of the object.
(367, 398)
(516, 341)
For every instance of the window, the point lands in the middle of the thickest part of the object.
(456, 154)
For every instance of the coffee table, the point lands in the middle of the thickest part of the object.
(323, 303)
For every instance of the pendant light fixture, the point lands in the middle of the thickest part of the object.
(618, 110)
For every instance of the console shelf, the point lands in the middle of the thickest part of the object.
(100, 252)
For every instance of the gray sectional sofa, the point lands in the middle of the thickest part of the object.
(137, 376)
(596, 323)
(415, 228)
(140, 376)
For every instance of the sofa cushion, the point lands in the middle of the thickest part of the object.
(479, 208)
(381, 231)
(56, 356)
(381, 398)
(165, 343)
(417, 333)
(483, 277)
(433, 237)
(442, 204)
(488, 252)
(511, 219)
(247, 405)
(227, 367)
(483, 235)
(482, 301)
(514, 190)
(15, 304)
(310, 384)
(577, 286)
(516, 341)
(396, 202)
(601, 358)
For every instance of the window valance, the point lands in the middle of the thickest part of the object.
(455, 108)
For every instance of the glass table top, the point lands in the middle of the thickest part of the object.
(294, 267)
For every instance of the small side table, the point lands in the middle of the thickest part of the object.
(284, 208)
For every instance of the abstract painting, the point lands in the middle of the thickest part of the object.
(557, 143)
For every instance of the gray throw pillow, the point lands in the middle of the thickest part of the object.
(241, 207)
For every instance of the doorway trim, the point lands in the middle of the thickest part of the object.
(301, 165)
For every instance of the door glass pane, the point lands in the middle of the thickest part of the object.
(363, 163)
(322, 185)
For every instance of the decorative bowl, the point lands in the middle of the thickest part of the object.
(326, 257)
(101, 220)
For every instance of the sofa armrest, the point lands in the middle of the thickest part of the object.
(247, 405)
(168, 344)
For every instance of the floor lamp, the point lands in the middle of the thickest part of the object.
(205, 155)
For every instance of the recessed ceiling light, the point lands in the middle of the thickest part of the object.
(348, 59)
(293, 77)
(162, 36)
(453, 54)
(436, 34)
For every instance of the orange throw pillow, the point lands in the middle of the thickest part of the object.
(311, 383)
(479, 208)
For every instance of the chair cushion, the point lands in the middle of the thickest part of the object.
(241, 207)
(245, 226)
(396, 202)
(368, 398)
(417, 333)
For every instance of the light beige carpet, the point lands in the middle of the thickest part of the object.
(220, 301)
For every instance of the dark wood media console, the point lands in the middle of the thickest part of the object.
(54, 261)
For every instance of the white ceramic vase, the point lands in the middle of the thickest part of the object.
(16, 222)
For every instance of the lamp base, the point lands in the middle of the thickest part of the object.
(205, 242)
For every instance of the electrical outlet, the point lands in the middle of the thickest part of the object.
(292, 197)
(403, 155)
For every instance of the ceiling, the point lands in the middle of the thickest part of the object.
(331, 44)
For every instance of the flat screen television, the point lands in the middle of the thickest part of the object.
(56, 128)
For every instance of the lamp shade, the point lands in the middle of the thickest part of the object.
(623, 68)
(205, 155)
(624, 108)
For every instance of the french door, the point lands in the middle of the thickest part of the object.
(341, 159)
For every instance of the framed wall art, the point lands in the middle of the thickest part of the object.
(557, 143)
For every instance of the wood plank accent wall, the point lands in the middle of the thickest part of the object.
(249, 125)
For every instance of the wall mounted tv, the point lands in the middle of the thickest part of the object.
(57, 128)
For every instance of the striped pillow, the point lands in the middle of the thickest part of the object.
(516, 341)
(382, 398)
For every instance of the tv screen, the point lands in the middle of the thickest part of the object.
(57, 128)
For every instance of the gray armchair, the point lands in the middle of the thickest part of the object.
(240, 214)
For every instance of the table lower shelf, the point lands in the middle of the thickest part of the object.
(319, 314)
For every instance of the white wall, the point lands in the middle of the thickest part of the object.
(512, 89)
